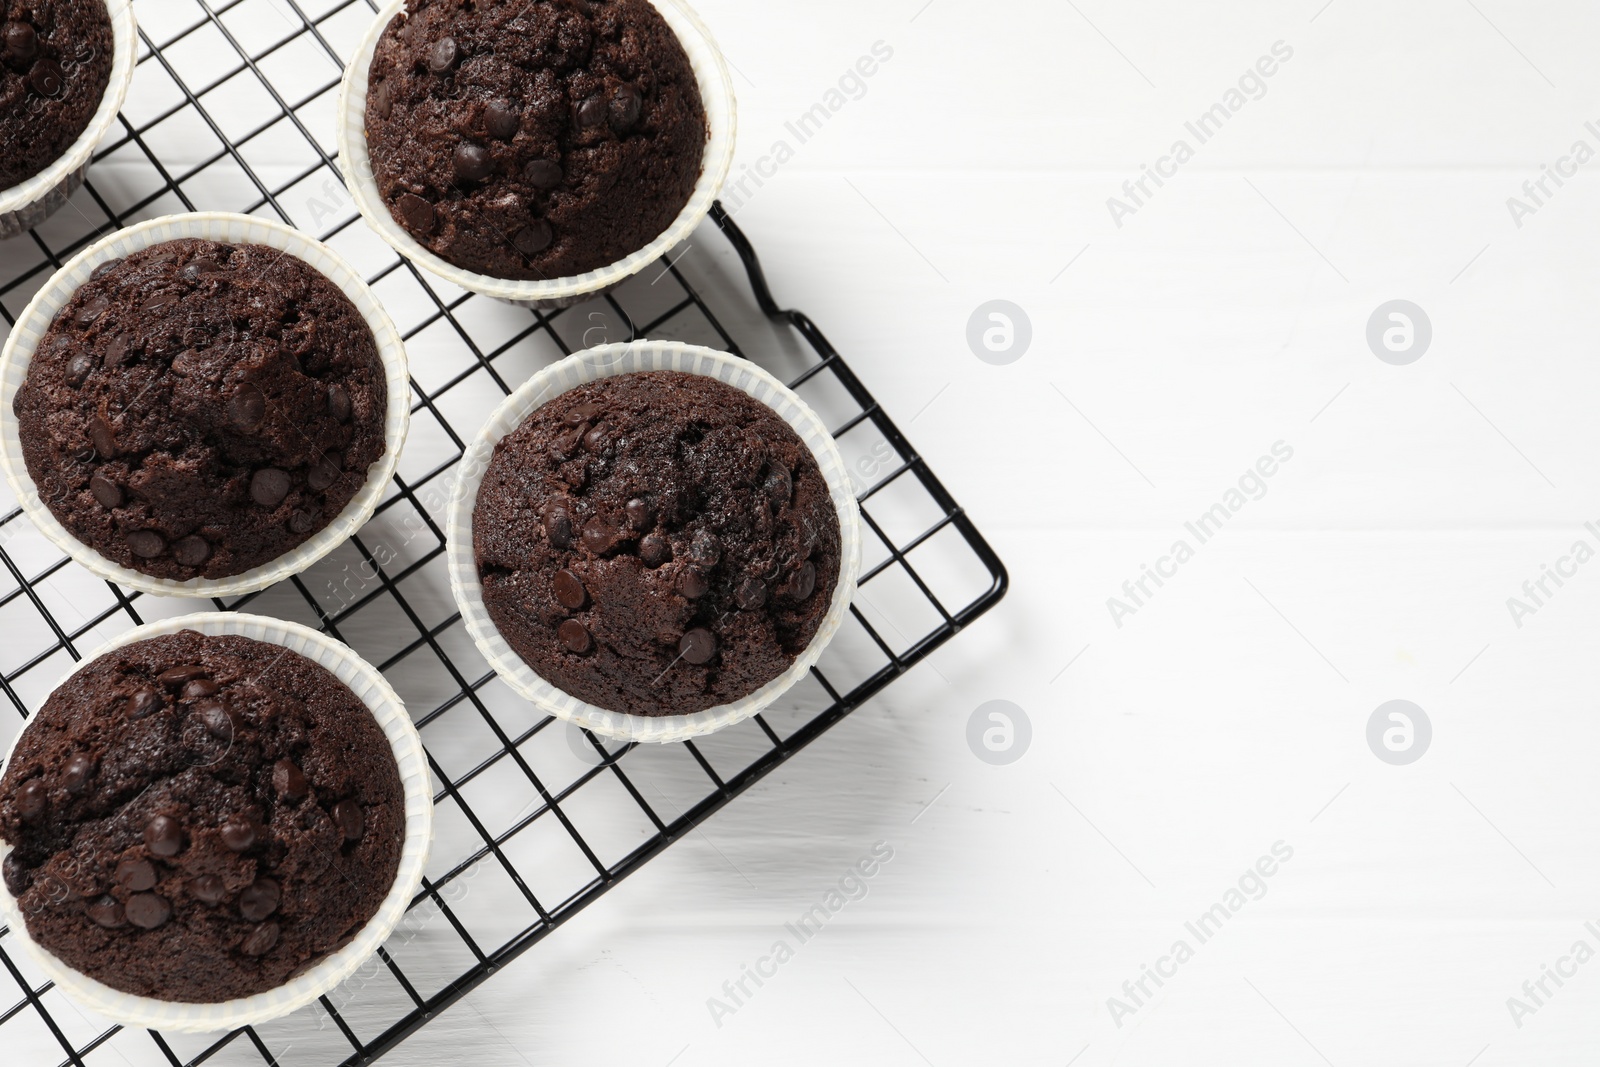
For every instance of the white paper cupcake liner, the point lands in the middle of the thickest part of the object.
(24, 206)
(716, 90)
(230, 229)
(606, 362)
(371, 689)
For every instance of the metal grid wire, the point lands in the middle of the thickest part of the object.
(535, 819)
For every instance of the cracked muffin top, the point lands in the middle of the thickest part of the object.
(656, 543)
(533, 139)
(199, 409)
(55, 63)
(199, 818)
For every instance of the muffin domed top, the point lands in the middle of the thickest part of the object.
(55, 63)
(533, 139)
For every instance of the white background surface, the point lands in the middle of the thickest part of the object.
(1229, 714)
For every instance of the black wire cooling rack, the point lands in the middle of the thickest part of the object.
(232, 109)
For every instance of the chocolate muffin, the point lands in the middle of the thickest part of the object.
(199, 409)
(656, 543)
(198, 819)
(533, 139)
(55, 63)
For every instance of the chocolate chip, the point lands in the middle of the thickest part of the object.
(751, 594)
(268, 486)
(107, 493)
(261, 940)
(302, 522)
(148, 911)
(533, 238)
(103, 437)
(558, 525)
(75, 775)
(208, 889)
(259, 899)
(135, 874)
(626, 104)
(692, 582)
(569, 590)
(46, 78)
(779, 487)
(471, 162)
(177, 677)
(32, 801)
(91, 312)
(163, 836)
(200, 687)
(415, 213)
(79, 369)
(697, 647)
(146, 544)
(15, 875)
(339, 402)
(191, 551)
(592, 113)
(239, 835)
(573, 634)
(582, 413)
(595, 440)
(106, 912)
(444, 55)
(381, 100)
(116, 353)
(159, 301)
(193, 270)
(22, 42)
(325, 473)
(640, 514)
(543, 174)
(655, 550)
(566, 445)
(105, 268)
(501, 120)
(247, 407)
(142, 703)
(802, 583)
(600, 538)
(289, 780)
(350, 819)
(213, 715)
(705, 549)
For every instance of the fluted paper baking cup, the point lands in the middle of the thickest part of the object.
(227, 229)
(24, 206)
(371, 689)
(716, 90)
(606, 362)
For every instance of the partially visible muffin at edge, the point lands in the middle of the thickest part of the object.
(656, 543)
(199, 409)
(533, 139)
(200, 818)
(55, 64)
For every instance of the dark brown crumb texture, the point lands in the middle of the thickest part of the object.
(55, 64)
(199, 409)
(656, 543)
(199, 818)
(533, 139)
